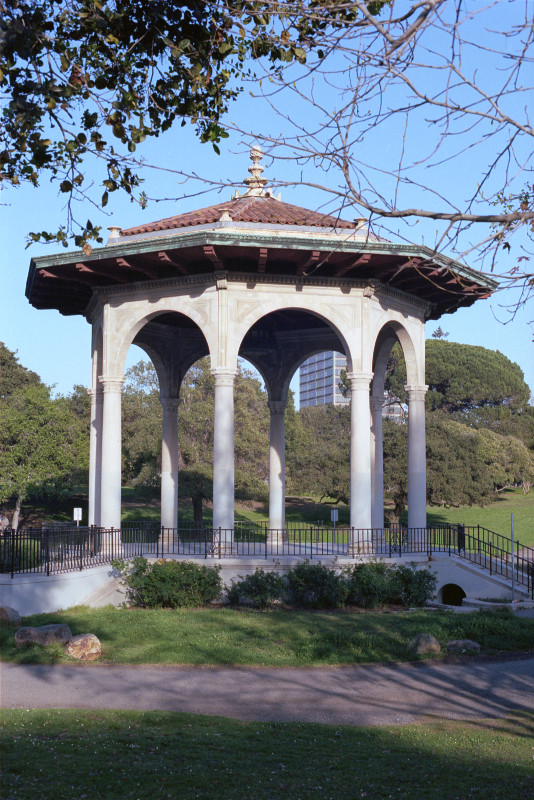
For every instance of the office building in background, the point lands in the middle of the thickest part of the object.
(319, 380)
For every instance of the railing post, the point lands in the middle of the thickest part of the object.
(12, 552)
(47, 551)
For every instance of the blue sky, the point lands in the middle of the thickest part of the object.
(58, 348)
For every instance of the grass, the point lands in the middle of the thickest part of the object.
(136, 755)
(277, 638)
(495, 516)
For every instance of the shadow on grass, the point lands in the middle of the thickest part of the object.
(147, 754)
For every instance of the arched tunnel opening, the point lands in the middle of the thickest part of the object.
(452, 594)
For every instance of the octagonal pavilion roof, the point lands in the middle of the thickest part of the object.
(254, 234)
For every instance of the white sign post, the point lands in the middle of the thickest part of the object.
(334, 514)
(77, 515)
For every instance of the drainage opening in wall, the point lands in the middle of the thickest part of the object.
(452, 594)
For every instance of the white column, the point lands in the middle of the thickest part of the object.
(169, 462)
(360, 458)
(223, 452)
(377, 462)
(110, 497)
(277, 469)
(95, 456)
(416, 456)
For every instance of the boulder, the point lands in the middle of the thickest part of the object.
(43, 635)
(85, 647)
(8, 616)
(424, 643)
(463, 646)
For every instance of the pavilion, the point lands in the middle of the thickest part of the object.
(257, 278)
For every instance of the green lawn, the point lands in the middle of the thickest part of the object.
(495, 516)
(60, 755)
(276, 638)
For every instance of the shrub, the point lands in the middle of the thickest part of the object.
(316, 586)
(373, 583)
(261, 588)
(368, 584)
(412, 586)
(168, 584)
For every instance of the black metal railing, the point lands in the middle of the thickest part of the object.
(67, 549)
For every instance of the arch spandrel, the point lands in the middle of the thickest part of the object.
(127, 322)
(277, 344)
(323, 309)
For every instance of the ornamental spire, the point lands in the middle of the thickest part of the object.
(255, 183)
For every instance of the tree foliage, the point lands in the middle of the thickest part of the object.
(464, 378)
(42, 448)
(479, 432)
(14, 375)
(92, 79)
(318, 460)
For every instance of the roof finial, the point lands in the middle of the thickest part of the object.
(255, 183)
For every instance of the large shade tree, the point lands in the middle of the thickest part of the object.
(43, 441)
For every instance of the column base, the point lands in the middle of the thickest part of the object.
(276, 537)
(360, 549)
(222, 550)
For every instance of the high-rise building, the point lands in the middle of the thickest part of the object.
(319, 380)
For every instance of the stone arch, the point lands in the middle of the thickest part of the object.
(276, 345)
(254, 314)
(390, 333)
(130, 329)
(451, 594)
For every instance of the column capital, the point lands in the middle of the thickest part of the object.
(170, 403)
(416, 392)
(224, 376)
(359, 380)
(377, 402)
(111, 384)
(277, 406)
(95, 394)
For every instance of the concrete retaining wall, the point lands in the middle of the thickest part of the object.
(34, 594)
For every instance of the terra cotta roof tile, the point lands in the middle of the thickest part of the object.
(262, 210)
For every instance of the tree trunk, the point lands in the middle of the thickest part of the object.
(16, 515)
(197, 512)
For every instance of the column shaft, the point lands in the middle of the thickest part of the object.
(95, 456)
(169, 463)
(416, 456)
(277, 468)
(111, 454)
(360, 452)
(223, 451)
(377, 463)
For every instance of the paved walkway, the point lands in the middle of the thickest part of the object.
(361, 695)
